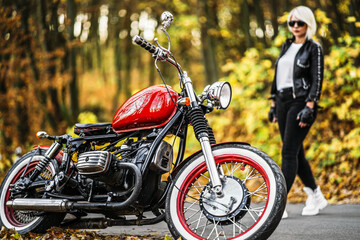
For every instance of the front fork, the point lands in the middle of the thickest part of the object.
(211, 166)
(200, 128)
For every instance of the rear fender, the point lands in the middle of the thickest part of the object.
(182, 164)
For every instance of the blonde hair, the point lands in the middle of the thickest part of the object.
(306, 15)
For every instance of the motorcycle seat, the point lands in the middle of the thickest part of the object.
(91, 129)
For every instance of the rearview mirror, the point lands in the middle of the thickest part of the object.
(166, 19)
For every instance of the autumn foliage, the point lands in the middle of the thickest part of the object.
(56, 62)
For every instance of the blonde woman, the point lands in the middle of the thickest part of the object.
(295, 93)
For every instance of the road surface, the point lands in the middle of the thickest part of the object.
(334, 222)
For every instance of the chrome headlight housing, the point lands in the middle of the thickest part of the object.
(219, 93)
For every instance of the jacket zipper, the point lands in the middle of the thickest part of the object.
(293, 87)
(305, 85)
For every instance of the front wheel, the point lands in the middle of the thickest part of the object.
(250, 207)
(26, 221)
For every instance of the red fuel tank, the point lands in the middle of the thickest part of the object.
(150, 108)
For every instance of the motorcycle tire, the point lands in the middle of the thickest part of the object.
(27, 221)
(251, 205)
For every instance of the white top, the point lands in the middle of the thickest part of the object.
(285, 67)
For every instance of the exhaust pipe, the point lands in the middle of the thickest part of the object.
(36, 204)
(64, 205)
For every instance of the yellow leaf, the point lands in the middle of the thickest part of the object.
(279, 40)
(87, 117)
(203, 19)
(351, 19)
(225, 33)
(266, 63)
(283, 18)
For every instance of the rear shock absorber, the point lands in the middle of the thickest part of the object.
(49, 154)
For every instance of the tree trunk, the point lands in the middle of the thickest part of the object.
(208, 42)
(53, 40)
(335, 33)
(287, 5)
(6, 138)
(126, 83)
(318, 4)
(260, 20)
(74, 88)
(338, 16)
(274, 15)
(245, 17)
(94, 32)
(117, 54)
(352, 28)
(355, 6)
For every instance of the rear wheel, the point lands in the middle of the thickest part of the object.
(252, 203)
(26, 221)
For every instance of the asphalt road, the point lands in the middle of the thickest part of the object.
(335, 222)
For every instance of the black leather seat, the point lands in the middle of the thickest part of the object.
(91, 129)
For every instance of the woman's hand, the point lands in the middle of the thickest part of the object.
(272, 114)
(306, 116)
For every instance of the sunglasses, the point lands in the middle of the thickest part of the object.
(299, 23)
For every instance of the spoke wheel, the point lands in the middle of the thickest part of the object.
(20, 220)
(247, 208)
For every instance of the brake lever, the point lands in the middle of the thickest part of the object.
(156, 40)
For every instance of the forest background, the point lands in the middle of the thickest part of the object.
(68, 61)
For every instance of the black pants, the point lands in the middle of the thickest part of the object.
(292, 135)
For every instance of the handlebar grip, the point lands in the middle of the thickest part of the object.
(144, 44)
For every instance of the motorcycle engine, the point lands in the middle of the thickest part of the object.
(93, 162)
(102, 165)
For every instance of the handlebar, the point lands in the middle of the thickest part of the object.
(145, 44)
(158, 52)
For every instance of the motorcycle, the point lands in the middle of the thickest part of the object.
(225, 190)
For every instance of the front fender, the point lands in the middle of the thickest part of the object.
(195, 154)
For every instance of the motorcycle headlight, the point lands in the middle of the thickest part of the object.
(220, 94)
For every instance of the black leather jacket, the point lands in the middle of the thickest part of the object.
(308, 70)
